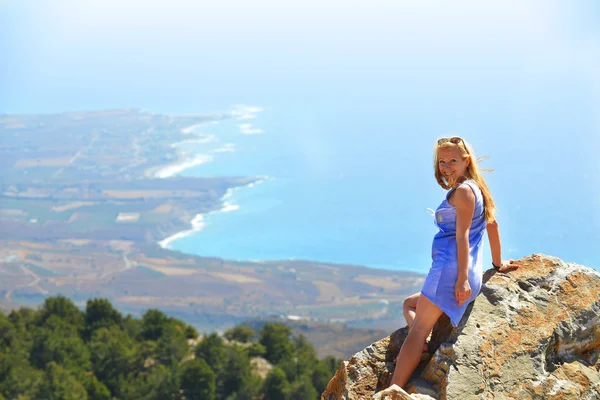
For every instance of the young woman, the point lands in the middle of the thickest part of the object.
(454, 279)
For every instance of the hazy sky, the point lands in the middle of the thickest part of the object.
(94, 45)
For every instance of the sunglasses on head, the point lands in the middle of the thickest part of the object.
(456, 140)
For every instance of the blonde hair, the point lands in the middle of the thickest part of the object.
(472, 172)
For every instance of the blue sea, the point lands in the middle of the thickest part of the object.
(353, 98)
(350, 183)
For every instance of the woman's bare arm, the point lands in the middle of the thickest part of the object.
(496, 248)
(494, 237)
(464, 201)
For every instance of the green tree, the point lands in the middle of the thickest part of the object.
(132, 327)
(332, 363)
(24, 317)
(95, 389)
(172, 346)
(303, 389)
(256, 350)
(156, 383)
(197, 380)
(9, 336)
(236, 378)
(321, 376)
(190, 332)
(58, 341)
(276, 386)
(62, 308)
(276, 340)
(240, 333)
(303, 361)
(100, 313)
(17, 376)
(58, 384)
(23, 321)
(212, 350)
(114, 356)
(154, 322)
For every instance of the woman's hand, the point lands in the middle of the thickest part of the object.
(508, 266)
(462, 291)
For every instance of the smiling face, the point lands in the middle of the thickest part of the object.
(451, 164)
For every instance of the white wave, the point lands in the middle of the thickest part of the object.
(227, 148)
(241, 111)
(193, 128)
(247, 129)
(189, 129)
(258, 182)
(198, 222)
(200, 139)
(197, 225)
(229, 207)
(174, 169)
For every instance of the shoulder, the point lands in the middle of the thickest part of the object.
(463, 196)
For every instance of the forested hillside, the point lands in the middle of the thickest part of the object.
(62, 352)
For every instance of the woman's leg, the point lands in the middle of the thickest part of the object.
(409, 308)
(409, 356)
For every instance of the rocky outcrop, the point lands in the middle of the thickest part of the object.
(532, 333)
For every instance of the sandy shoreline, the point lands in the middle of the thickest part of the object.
(174, 169)
(198, 223)
(184, 161)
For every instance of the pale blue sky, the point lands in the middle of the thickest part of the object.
(94, 43)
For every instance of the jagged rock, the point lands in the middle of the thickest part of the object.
(532, 333)
(396, 393)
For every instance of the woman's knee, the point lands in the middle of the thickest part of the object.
(411, 301)
(425, 320)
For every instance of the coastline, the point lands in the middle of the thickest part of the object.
(185, 160)
(198, 222)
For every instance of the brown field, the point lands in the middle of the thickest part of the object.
(76, 242)
(237, 278)
(76, 216)
(32, 245)
(160, 261)
(127, 217)
(13, 126)
(170, 301)
(73, 280)
(388, 283)
(12, 211)
(135, 194)
(121, 245)
(327, 291)
(163, 209)
(42, 162)
(28, 193)
(174, 271)
(69, 206)
(9, 120)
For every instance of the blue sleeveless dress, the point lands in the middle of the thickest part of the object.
(441, 279)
